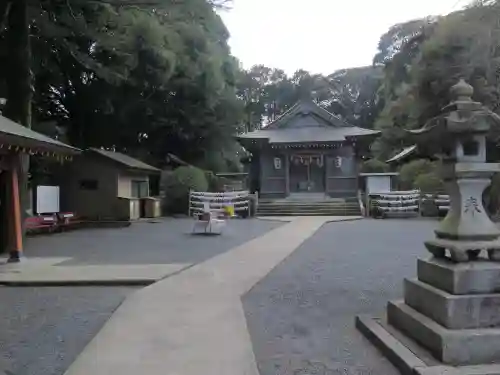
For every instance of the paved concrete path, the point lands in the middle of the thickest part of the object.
(52, 271)
(192, 323)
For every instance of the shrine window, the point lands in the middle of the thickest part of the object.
(89, 184)
(471, 148)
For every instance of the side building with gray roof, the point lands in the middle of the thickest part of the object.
(105, 185)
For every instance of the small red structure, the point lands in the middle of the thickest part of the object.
(15, 141)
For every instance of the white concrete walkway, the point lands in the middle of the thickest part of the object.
(50, 271)
(192, 323)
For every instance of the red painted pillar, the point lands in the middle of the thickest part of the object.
(14, 217)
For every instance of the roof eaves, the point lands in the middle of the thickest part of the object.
(405, 152)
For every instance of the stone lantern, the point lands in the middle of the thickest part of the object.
(460, 137)
(452, 310)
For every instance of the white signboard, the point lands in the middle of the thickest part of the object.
(277, 163)
(47, 199)
(378, 184)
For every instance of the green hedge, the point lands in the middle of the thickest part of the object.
(215, 183)
(409, 172)
(178, 183)
(429, 183)
(374, 166)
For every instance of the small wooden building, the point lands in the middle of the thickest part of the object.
(307, 152)
(106, 185)
(16, 140)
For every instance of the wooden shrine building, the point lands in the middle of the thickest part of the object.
(16, 140)
(306, 152)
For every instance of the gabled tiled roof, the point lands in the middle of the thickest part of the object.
(125, 160)
(18, 135)
(307, 122)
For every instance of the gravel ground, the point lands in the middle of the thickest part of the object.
(42, 330)
(301, 316)
(167, 241)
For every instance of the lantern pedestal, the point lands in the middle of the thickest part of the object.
(444, 323)
(467, 229)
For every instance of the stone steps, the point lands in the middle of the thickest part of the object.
(294, 208)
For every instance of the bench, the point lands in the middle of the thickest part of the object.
(42, 223)
(67, 220)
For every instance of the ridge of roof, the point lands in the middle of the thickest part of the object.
(308, 106)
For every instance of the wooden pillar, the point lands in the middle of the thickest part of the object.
(15, 235)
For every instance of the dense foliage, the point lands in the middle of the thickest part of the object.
(374, 166)
(157, 77)
(142, 79)
(177, 184)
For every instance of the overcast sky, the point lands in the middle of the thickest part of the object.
(320, 36)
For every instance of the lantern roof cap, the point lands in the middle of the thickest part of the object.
(462, 90)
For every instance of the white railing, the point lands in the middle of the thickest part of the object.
(441, 201)
(394, 203)
(240, 200)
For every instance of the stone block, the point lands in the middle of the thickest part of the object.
(460, 278)
(452, 347)
(453, 311)
(406, 355)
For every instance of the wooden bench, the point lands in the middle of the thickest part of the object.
(67, 220)
(42, 223)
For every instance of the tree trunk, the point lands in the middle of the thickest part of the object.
(4, 12)
(19, 80)
(19, 83)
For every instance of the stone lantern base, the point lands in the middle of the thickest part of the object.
(451, 311)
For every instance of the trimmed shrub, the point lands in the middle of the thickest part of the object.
(428, 183)
(408, 173)
(374, 166)
(428, 208)
(177, 185)
(214, 183)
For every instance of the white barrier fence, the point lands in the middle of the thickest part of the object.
(240, 200)
(441, 201)
(404, 203)
(394, 203)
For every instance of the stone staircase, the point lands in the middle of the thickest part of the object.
(293, 207)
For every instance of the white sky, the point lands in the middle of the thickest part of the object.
(320, 36)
